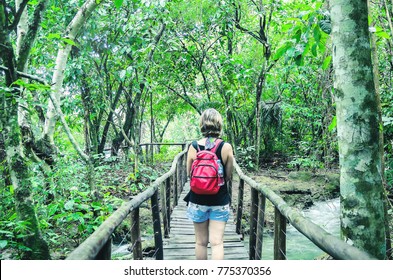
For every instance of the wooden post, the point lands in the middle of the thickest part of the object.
(136, 235)
(175, 187)
(239, 213)
(105, 252)
(261, 221)
(280, 229)
(163, 211)
(181, 162)
(253, 222)
(178, 175)
(168, 202)
(155, 209)
(184, 169)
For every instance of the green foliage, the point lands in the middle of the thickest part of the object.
(12, 229)
(202, 60)
(305, 163)
(138, 180)
(245, 157)
(118, 3)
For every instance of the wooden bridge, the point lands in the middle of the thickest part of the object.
(181, 241)
(173, 233)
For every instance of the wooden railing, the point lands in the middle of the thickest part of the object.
(169, 185)
(327, 242)
(98, 245)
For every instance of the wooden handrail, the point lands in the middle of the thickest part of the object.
(101, 237)
(327, 242)
(162, 144)
(98, 245)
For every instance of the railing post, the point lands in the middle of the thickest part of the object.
(280, 228)
(239, 213)
(147, 153)
(168, 202)
(261, 221)
(105, 252)
(157, 226)
(175, 187)
(164, 211)
(184, 170)
(178, 175)
(136, 235)
(253, 222)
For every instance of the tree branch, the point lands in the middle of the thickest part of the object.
(237, 19)
(18, 14)
(61, 62)
(31, 34)
(27, 76)
(67, 130)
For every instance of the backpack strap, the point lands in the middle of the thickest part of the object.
(217, 147)
(195, 145)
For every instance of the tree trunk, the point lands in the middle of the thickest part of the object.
(361, 189)
(61, 62)
(381, 139)
(16, 161)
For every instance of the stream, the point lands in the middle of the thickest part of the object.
(326, 214)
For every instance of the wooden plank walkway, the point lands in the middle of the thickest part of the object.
(181, 242)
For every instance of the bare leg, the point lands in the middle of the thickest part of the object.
(201, 240)
(216, 238)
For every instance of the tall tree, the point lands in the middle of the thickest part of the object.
(361, 188)
(16, 135)
(61, 61)
(13, 134)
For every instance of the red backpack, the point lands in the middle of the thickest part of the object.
(207, 175)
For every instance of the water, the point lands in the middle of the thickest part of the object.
(326, 214)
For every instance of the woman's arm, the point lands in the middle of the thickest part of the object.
(227, 157)
(191, 155)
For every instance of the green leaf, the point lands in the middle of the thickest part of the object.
(299, 60)
(298, 34)
(3, 243)
(314, 50)
(382, 34)
(118, 3)
(326, 62)
(52, 209)
(68, 41)
(54, 36)
(281, 51)
(317, 33)
(69, 205)
(333, 124)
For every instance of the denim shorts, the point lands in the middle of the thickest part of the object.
(201, 213)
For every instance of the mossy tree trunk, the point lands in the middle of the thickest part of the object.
(17, 163)
(18, 166)
(18, 169)
(361, 188)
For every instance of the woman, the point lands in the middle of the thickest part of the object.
(210, 212)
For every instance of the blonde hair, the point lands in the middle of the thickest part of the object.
(211, 123)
